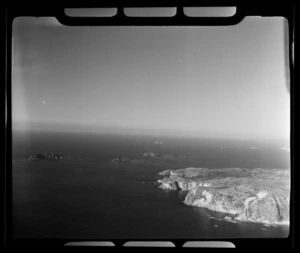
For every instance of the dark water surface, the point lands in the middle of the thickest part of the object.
(84, 196)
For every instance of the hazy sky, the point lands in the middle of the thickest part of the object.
(210, 81)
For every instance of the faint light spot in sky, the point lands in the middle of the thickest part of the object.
(43, 102)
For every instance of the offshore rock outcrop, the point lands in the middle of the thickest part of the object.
(253, 195)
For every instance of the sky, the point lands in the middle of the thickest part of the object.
(229, 81)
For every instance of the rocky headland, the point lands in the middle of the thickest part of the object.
(252, 195)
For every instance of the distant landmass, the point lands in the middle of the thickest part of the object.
(252, 195)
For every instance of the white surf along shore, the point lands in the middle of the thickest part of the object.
(252, 195)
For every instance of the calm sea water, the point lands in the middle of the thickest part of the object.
(84, 196)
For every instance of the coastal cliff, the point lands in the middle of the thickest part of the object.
(252, 195)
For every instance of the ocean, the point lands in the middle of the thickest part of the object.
(85, 196)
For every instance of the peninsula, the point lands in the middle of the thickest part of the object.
(252, 195)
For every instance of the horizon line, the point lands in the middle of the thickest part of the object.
(126, 130)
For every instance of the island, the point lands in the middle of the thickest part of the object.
(118, 160)
(252, 195)
(163, 156)
(147, 157)
(39, 156)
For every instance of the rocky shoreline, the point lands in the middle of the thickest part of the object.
(252, 195)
